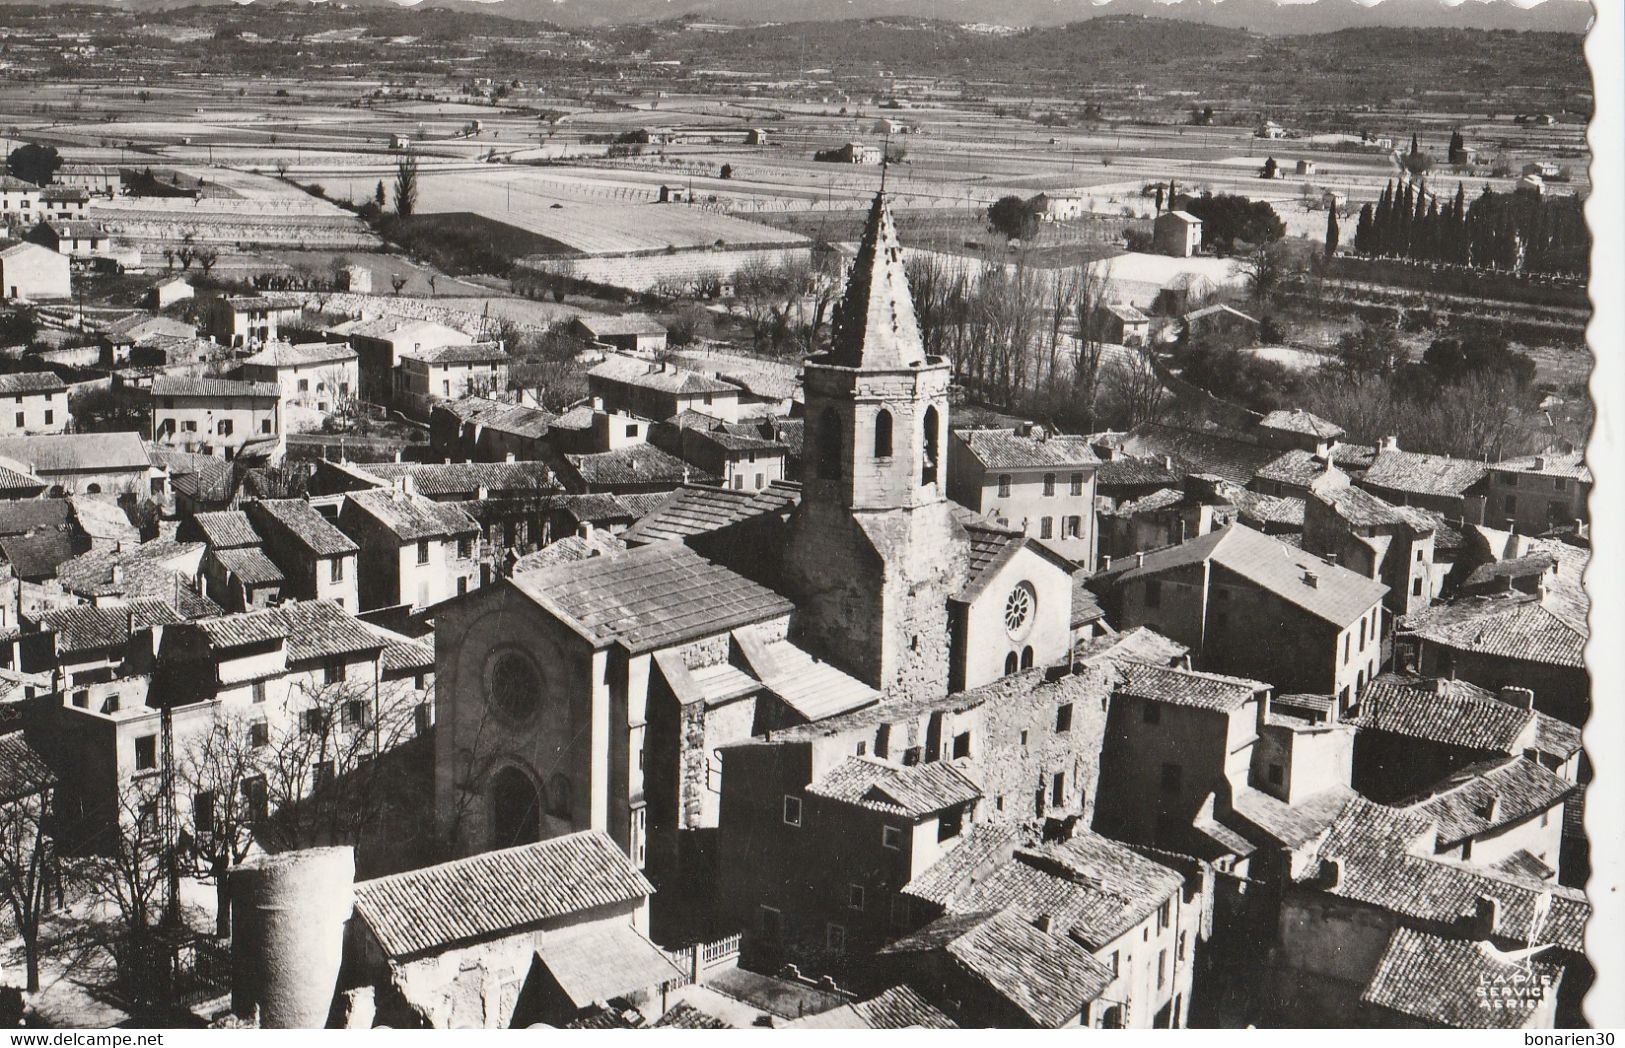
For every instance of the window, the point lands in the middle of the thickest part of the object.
(304, 385)
(891, 837)
(423, 551)
(310, 721)
(1165, 915)
(81, 700)
(259, 735)
(1117, 965)
(928, 460)
(336, 572)
(224, 427)
(203, 812)
(950, 825)
(1418, 556)
(355, 713)
(334, 672)
(1153, 594)
(792, 810)
(258, 689)
(1362, 634)
(265, 425)
(1057, 794)
(1151, 713)
(1063, 717)
(1027, 657)
(1172, 777)
(883, 434)
(1557, 482)
(863, 747)
(1347, 640)
(835, 937)
(1416, 587)
(20, 420)
(1162, 968)
(50, 416)
(1183, 946)
(146, 752)
(1049, 484)
(321, 773)
(190, 425)
(465, 547)
(1046, 528)
(1004, 485)
(854, 896)
(1077, 483)
(962, 745)
(422, 718)
(1072, 527)
(1277, 775)
(739, 482)
(911, 756)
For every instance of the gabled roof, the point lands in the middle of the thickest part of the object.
(1569, 465)
(23, 772)
(1011, 449)
(1297, 420)
(1209, 691)
(249, 565)
(1419, 474)
(571, 548)
(427, 910)
(284, 354)
(602, 961)
(517, 419)
(1457, 713)
(1183, 216)
(1362, 509)
(694, 509)
(639, 464)
(874, 324)
(84, 627)
(649, 597)
(814, 689)
(36, 555)
(182, 386)
(311, 629)
(1223, 454)
(1337, 595)
(223, 529)
(1047, 978)
(662, 378)
(1291, 825)
(67, 452)
(986, 846)
(1443, 981)
(25, 382)
(912, 792)
(466, 353)
(451, 478)
(1486, 796)
(18, 516)
(600, 324)
(306, 524)
(1218, 309)
(411, 518)
(1513, 626)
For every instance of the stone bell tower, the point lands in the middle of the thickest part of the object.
(875, 551)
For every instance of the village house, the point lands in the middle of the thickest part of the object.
(1040, 482)
(1120, 324)
(1219, 321)
(29, 272)
(635, 469)
(85, 463)
(661, 391)
(1176, 233)
(317, 560)
(414, 552)
(242, 321)
(169, 292)
(1295, 429)
(63, 203)
(629, 332)
(1537, 492)
(1225, 454)
(120, 338)
(451, 947)
(1457, 488)
(318, 375)
(741, 460)
(1218, 593)
(34, 402)
(850, 153)
(19, 201)
(379, 342)
(426, 376)
(476, 429)
(1505, 812)
(217, 416)
(1393, 545)
(74, 239)
(1200, 503)
(1059, 207)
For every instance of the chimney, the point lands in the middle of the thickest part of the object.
(1168, 463)
(407, 483)
(482, 493)
(1331, 873)
(1540, 462)
(1389, 443)
(117, 574)
(585, 530)
(1024, 429)
(508, 457)
(1331, 558)
(1522, 698)
(1139, 558)
(1311, 580)
(634, 465)
(397, 455)
(1105, 563)
(1486, 915)
(1044, 922)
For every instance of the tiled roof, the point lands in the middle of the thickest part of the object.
(469, 353)
(734, 443)
(1532, 565)
(662, 378)
(20, 481)
(1364, 510)
(624, 324)
(453, 478)
(1293, 825)
(1136, 471)
(23, 772)
(58, 452)
(249, 564)
(693, 509)
(144, 327)
(813, 688)
(1296, 467)
(1218, 309)
(1443, 982)
(913, 792)
(1447, 711)
(1337, 595)
(1092, 887)
(602, 961)
(1569, 465)
(1127, 313)
(400, 328)
(25, 382)
(900, 1008)
(1421, 474)
(640, 464)
(411, 518)
(1211, 691)
(1225, 455)
(596, 508)
(1048, 978)
(18, 516)
(684, 1016)
(35, 555)
(650, 597)
(1296, 420)
(1140, 644)
(516, 419)
(426, 910)
(1516, 626)
(571, 548)
(302, 520)
(284, 354)
(147, 569)
(405, 654)
(985, 847)
(1009, 449)
(1483, 797)
(1380, 849)
(874, 324)
(224, 529)
(1085, 607)
(182, 386)
(312, 629)
(84, 627)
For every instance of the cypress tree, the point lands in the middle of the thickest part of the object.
(1332, 232)
(1363, 235)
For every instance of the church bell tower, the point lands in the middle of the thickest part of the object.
(875, 552)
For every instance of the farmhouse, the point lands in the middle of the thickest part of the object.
(379, 342)
(849, 153)
(633, 332)
(166, 293)
(34, 273)
(1121, 323)
(242, 320)
(35, 402)
(74, 239)
(320, 375)
(661, 390)
(1059, 207)
(1176, 233)
(85, 463)
(64, 203)
(19, 199)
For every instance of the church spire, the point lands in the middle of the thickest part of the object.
(874, 325)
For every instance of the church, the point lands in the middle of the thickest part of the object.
(597, 695)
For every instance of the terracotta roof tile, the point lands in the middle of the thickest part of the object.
(1419, 474)
(912, 792)
(300, 519)
(410, 518)
(1010, 449)
(1516, 626)
(1210, 691)
(1442, 982)
(1483, 797)
(1453, 712)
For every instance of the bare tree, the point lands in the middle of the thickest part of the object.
(397, 281)
(222, 771)
(207, 257)
(1089, 302)
(129, 872)
(1139, 388)
(27, 858)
